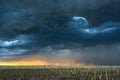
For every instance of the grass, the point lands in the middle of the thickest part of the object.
(60, 73)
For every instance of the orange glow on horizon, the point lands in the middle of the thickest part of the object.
(39, 63)
(37, 60)
(23, 63)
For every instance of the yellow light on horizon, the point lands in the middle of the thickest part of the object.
(7, 64)
(37, 60)
(23, 63)
(39, 63)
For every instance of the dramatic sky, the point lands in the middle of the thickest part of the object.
(34, 32)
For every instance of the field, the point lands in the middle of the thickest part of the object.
(60, 73)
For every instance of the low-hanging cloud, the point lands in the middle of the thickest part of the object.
(72, 43)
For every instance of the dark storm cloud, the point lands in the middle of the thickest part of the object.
(54, 27)
(107, 9)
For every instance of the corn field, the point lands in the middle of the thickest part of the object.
(60, 73)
